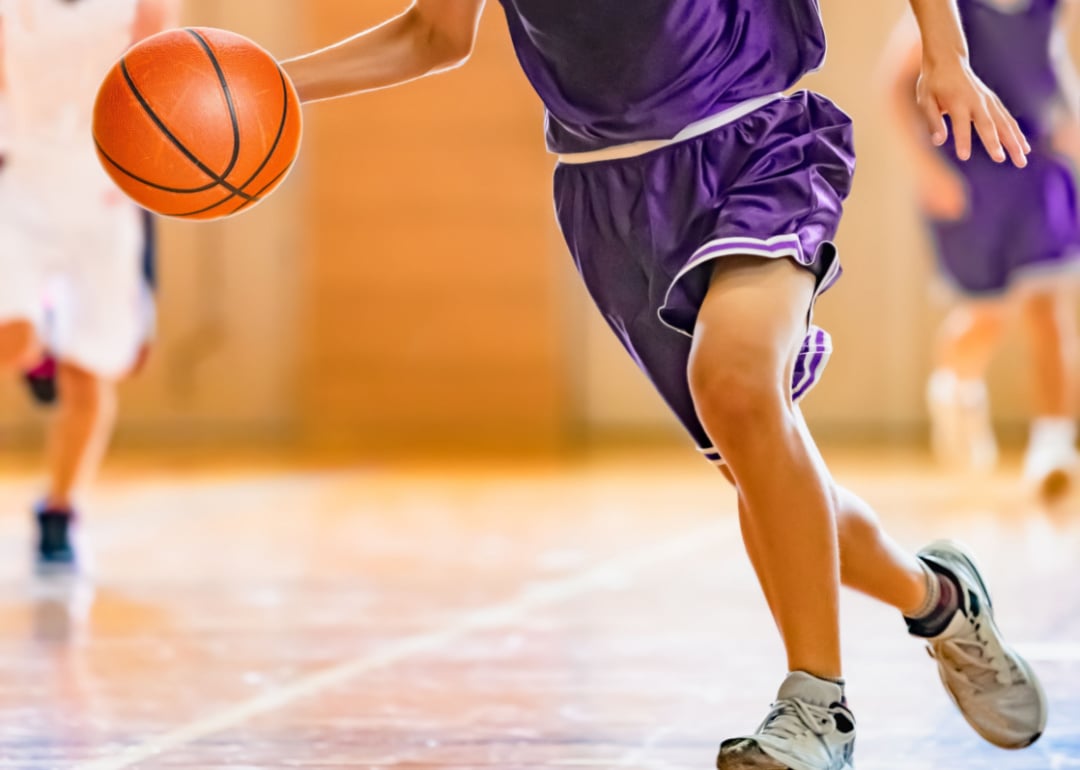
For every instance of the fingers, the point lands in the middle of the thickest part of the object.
(935, 119)
(958, 93)
(998, 131)
(961, 126)
(987, 130)
(1012, 137)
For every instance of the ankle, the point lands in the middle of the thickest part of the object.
(56, 504)
(942, 602)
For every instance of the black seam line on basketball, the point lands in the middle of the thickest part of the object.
(245, 203)
(273, 147)
(266, 160)
(147, 182)
(263, 189)
(228, 100)
(172, 137)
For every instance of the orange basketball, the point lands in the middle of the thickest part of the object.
(197, 123)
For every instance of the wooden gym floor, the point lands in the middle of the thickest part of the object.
(597, 614)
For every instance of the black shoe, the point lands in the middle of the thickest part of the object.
(41, 381)
(56, 551)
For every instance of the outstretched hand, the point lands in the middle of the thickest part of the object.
(953, 89)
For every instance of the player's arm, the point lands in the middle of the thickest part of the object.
(431, 36)
(153, 16)
(947, 86)
(941, 190)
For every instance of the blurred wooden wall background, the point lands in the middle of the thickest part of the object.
(407, 288)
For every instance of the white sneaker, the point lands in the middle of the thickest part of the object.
(995, 689)
(1051, 462)
(961, 433)
(803, 731)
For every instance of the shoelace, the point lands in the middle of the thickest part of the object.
(794, 718)
(981, 662)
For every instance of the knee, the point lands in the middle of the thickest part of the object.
(1044, 309)
(18, 344)
(735, 391)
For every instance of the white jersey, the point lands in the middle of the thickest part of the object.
(56, 53)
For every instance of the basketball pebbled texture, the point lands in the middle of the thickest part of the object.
(197, 123)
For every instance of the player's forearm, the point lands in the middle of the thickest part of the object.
(403, 49)
(943, 40)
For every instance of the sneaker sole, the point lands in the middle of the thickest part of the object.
(956, 549)
(765, 761)
(1055, 485)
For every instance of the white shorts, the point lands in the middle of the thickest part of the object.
(76, 274)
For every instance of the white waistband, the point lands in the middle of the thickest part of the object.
(694, 130)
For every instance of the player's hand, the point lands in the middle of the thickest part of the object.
(952, 89)
(943, 194)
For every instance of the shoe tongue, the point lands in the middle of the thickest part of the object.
(811, 689)
(957, 626)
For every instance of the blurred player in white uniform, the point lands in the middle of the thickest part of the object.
(72, 286)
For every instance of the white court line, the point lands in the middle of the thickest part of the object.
(609, 573)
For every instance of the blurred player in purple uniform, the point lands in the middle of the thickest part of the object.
(699, 204)
(1007, 240)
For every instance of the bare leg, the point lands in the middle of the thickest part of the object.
(1051, 331)
(79, 434)
(962, 432)
(1049, 320)
(969, 337)
(18, 345)
(871, 562)
(750, 328)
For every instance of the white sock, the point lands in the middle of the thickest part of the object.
(933, 593)
(1056, 432)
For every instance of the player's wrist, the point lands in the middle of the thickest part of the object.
(943, 41)
(945, 58)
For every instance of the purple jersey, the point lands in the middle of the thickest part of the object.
(612, 72)
(1010, 51)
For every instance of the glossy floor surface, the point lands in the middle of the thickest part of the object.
(593, 614)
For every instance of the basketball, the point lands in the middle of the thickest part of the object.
(197, 123)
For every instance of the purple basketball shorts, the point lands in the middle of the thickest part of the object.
(644, 230)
